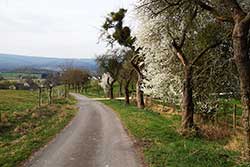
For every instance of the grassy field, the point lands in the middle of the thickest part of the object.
(13, 75)
(12, 101)
(163, 146)
(25, 128)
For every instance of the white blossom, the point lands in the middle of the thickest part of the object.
(105, 82)
(161, 78)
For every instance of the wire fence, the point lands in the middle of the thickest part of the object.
(228, 114)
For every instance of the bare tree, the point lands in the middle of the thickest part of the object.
(65, 75)
(111, 63)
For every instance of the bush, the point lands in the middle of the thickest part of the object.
(215, 132)
(5, 85)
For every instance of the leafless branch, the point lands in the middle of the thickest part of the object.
(168, 5)
(246, 20)
(146, 4)
(205, 51)
(185, 30)
(213, 11)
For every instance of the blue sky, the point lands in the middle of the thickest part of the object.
(55, 28)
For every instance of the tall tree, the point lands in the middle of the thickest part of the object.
(180, 29)
(115, 31)
(127, 74)
(65, 76)
(238, 14)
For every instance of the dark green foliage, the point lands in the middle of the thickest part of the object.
(121, 34)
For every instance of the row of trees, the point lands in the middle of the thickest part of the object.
(74, 78)
(185, 52)
(116, 67)
(69, 77)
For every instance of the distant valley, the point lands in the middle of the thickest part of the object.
(9, 62)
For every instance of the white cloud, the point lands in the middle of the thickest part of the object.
(54, 28)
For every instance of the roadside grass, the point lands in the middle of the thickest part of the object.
(94, 90)
(163, 146)
(90, 94)
(25, 128)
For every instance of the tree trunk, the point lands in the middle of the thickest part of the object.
(50, 95)
(68, 89)
(139, 93)
(78, 88)
(242, 60)
(111, 90)
(86, 89)
(65, 90)
(120, 89)
(40, 97)
(126, 89)
(187, 100)
(75, 88)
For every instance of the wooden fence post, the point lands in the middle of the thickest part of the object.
(40, 97)
(40, 87)
(50, 93)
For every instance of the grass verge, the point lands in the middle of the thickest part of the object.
(24, 128)
(164, 147)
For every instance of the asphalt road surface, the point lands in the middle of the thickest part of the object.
(94, 138)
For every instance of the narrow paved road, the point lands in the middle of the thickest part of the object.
(95, 138)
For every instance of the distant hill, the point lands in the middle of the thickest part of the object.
(10, 62)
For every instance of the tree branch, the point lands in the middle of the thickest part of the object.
(179, 53)
(130, 75)
(246, 20)
(169, 5)
(146, 4)
(136, 65)
(185, 30)
(235, 5)
(214, 12)
(205, 51)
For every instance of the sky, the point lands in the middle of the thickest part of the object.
(56, 28)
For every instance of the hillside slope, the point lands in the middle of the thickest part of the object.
(12, 62)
